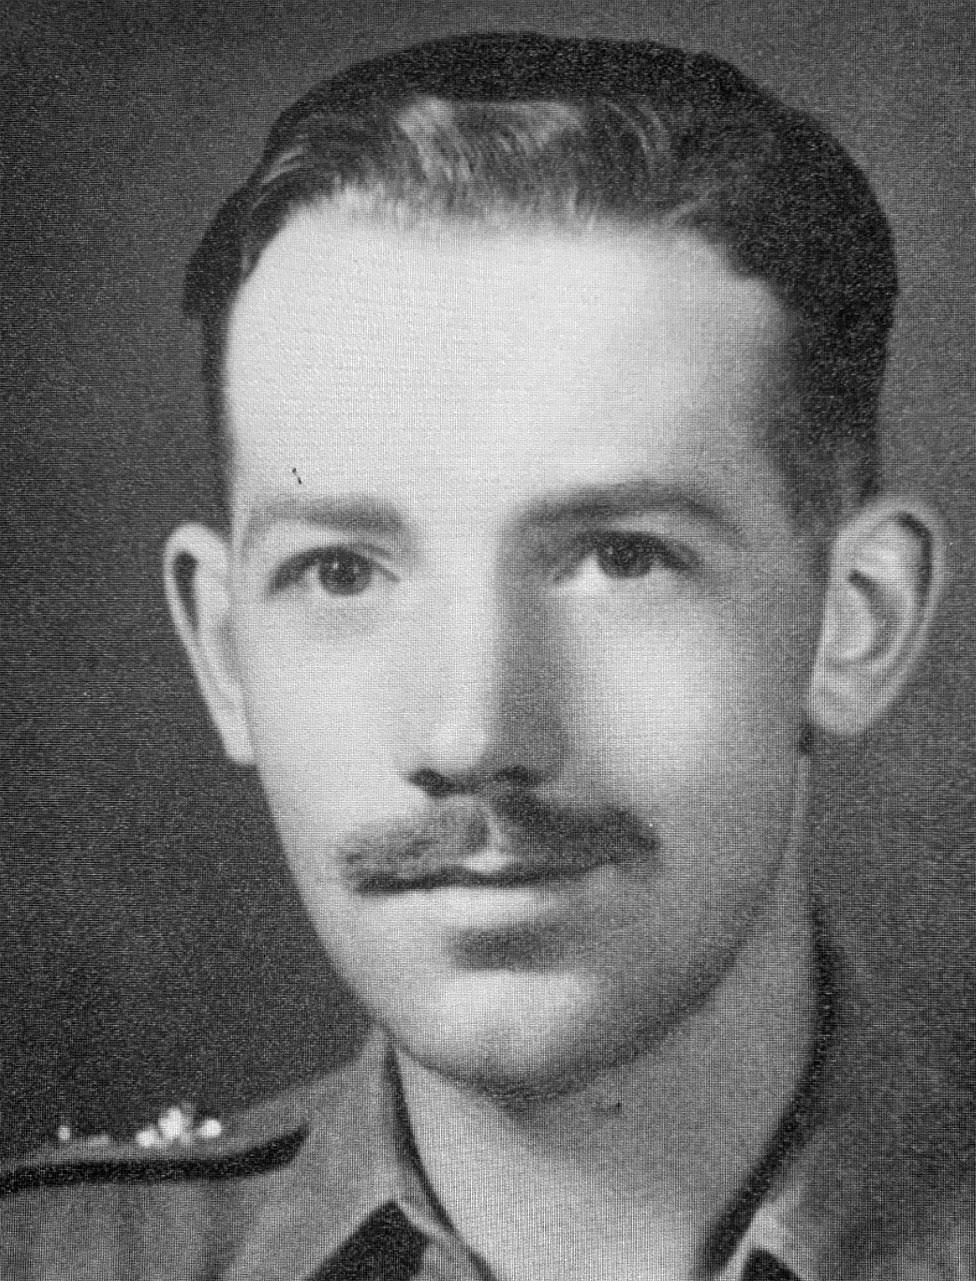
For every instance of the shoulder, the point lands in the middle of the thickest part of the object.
(178, 1146)
(175, 1199)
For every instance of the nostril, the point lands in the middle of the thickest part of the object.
(501, 782)
(515, 778)
(435, 784)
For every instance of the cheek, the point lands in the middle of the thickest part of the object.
(707, 703)
(316, 726)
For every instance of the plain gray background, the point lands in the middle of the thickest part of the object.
(153, 950)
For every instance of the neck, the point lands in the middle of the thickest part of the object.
(627, 1175)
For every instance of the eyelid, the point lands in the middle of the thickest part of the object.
(675, 554)
(289, 570)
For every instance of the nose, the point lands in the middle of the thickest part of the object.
(492, 697)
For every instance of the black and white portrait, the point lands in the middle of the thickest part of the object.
(488, 692)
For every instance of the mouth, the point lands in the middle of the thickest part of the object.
(510, 874)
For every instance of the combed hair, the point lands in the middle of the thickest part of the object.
(528, 129)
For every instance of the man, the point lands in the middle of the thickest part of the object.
(544, 377)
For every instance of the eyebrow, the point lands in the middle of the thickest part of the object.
(357, 513)
(588, 504)
(600, 503)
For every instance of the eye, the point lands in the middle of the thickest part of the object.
(338, 571)
(626, 554)
(342, 572)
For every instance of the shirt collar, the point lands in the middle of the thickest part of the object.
(820, 1214)
(358, 1164)
(767, 1218)
(357, 1167)
(355, 1164)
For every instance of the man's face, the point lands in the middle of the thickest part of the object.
(521, 624)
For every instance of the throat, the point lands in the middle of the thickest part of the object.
(632, 1174)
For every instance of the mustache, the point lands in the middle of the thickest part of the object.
(538, 838)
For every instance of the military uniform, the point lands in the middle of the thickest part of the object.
(323, 1184)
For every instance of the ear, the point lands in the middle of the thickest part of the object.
(197, 571)
(884, 581)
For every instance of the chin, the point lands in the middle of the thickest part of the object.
(525, 1050)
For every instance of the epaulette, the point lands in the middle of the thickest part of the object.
(179, 1145)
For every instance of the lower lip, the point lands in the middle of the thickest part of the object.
(489, 900)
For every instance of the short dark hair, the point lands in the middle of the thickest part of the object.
(587, 132)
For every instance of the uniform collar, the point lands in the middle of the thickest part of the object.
(355, 1164)
(814, 1190)
(357, 1172)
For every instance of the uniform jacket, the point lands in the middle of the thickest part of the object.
(322, 1184)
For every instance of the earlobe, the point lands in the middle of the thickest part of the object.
(197, 575)
(883, 585)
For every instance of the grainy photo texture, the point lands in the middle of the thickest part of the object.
(488, 759)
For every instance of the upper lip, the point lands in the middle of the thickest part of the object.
(502, 840)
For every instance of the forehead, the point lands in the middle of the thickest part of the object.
(365, 354)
